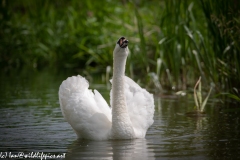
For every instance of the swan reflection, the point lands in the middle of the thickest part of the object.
(114, 149)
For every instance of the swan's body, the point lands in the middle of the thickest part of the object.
(91, 117)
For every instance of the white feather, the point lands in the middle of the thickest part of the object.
(91, 117)
(140, 105)
(87, 113)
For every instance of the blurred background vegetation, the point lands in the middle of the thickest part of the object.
(172, 42)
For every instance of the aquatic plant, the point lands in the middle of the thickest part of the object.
(174, 41)
(200, 105)
(223, 21)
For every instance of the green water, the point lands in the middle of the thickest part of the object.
(31, 121)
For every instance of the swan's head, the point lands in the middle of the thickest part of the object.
(121, 48)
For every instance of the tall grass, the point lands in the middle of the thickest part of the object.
(174, 41)
(223, 19)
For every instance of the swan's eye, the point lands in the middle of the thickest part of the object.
(123, 42)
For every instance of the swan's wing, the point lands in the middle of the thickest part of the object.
(140, 104)
(86, 111)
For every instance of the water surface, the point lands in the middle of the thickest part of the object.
(31, 121)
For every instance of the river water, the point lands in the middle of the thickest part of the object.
(31, 122)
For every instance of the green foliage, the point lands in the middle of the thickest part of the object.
(223, 19)
(59, 34)
(175, 41)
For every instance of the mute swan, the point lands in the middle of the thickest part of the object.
(91, 117)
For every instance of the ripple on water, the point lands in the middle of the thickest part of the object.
(31, 121)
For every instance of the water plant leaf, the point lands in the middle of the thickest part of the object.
(226, 49)
(196, 95)
(199, 93)
(206, 99)
(233, 96)
(196, 101)
(43, 47)
(162, 40)
(159, 63)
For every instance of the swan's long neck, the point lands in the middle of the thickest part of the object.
(121, 124)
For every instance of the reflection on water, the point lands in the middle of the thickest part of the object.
(114, 149)
(31, 121)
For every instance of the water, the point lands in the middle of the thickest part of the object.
(31, 122)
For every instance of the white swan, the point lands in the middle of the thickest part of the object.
(91, 117)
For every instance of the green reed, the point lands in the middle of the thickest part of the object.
(223, 19)
(173, 40)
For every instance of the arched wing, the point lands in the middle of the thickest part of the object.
(86, 111)
(140, 104)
